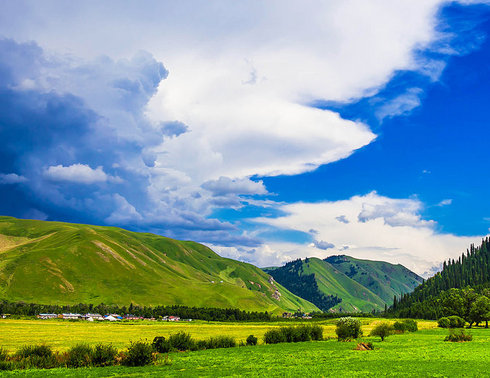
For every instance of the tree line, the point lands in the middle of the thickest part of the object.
(462, 288)
(184, 312)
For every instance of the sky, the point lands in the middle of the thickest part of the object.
(269, 131)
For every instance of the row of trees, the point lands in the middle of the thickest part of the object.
(210, 314)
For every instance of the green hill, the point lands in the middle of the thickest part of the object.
(359, 285)
(383, 279)
(63, 263)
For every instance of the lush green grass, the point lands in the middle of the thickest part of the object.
(63, 263)
(419, 354)
(62, 335)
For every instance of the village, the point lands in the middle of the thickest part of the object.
(108, 317)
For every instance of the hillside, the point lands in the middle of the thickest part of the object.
(383, 279)
(349, 284)
(63, 263)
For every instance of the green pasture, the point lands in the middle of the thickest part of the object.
(63, 334)
(419, 354)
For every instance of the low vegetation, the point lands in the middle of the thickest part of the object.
(458, 335)
(348, 328)
(382, 329)
(293, 334)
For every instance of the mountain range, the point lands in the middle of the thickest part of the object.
(343, 283)
(64, 263)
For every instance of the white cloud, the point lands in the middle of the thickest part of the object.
(78, 173)
(124, 212)
(382, 228)
(226, 185)
(401, 105)
(11, 178)
(445, 202)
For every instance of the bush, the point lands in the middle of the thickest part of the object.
(181, 341)
(34, 351)
(458, 335)
(274, 336)
(6, 365)
(443, 322)
(293, 334)
(4, 354)
(104, 355)
(34, 356)
(383, 329)
(140, 353)
(348, 328)
(80, 355)
(316, 332)
(220, 342)
(161, 345)
(252, 340)
(411, 325)
(408, 325)
(456, 322)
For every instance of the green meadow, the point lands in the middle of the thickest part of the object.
(419, 354)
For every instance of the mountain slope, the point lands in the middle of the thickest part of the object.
(360, 285)
(330, 282)
(383, 279)
(62, 263)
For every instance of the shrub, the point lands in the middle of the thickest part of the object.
(274, 336)
(443, 322)
(201, 344)
(252, 340)
(181, 341)
(140, 353)
(383, 329)
(34, 350)
(161, 345)
(6, 365)
(80, 355)
(456, 322)
(411, 325)
(405, 325)
(348, 328)
(458, 335)
(4, 354)
(316, 332)
(220, 342)
(35, 356)
(104, 355)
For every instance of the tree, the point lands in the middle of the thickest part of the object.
(348, 328)
(480, 311)
(383, 329)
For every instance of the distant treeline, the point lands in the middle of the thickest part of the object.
(470, 275)
(184, 312)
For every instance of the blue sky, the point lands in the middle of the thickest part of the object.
(268, 131)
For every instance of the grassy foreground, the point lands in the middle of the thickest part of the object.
(419, 354)
(62, 334)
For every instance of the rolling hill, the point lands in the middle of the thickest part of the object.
(63, 263)
(358, 285)
(383, 279)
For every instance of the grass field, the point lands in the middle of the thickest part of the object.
(419, 354)
(62, 334)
